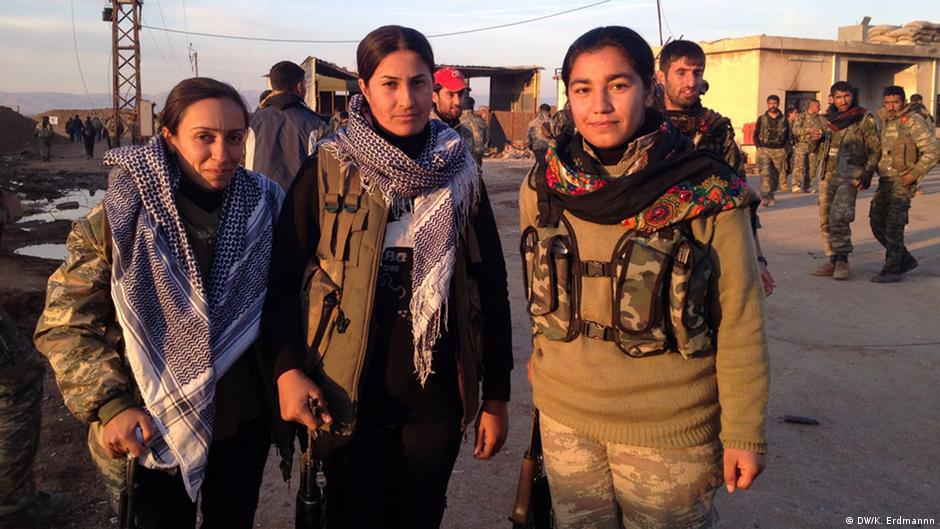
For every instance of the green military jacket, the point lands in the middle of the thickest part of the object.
(770, 132)
(854, 151)
(908, 146)
(480, 133)
(803, 127)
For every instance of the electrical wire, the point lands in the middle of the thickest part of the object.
(173, 70)
(356, 41)
(77, 61)
(168, 41)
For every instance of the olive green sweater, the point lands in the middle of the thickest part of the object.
(665, 400)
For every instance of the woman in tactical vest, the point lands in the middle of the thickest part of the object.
(386, 260)
(650, 361)
(150, 322)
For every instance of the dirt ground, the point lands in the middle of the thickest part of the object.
(859, 357)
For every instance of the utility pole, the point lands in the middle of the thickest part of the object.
(659, 18)
(193, 60)
(124, 16)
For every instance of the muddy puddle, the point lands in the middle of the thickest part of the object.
(54, 252)
(73, 205)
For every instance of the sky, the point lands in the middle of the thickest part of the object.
(40, 51)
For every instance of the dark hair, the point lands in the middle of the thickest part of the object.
(773, 97)
(388, 39)
(624, 39)
(791, 109)
(285, 75)
(193, 90)
(263, 95)
(545, 108)
(681, 49)
(916, 98)
(840, 86)
(894, 90)
(471, 102)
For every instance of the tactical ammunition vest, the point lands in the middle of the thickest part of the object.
(339, 290)
(657, 286)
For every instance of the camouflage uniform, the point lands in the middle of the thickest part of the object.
(771, 136)
(924, 113)
(805, 152)
(655, 488)
(709, 130)
(908, 146)
(852, 157)
(462, 130)
(21, 372)
(562, 124)
(481, 134)
(539, 135)
(80, 336)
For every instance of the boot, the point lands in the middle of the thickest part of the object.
(841, 270)
(909, 264)
(886, 277)
(825, 270)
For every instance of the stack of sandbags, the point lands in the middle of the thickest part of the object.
(917, 33)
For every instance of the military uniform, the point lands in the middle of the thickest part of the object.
(709, 130)
(480, 132)
(463, 131)
(21, 372)
(45, 134)
(771, 136)
(850, 156)
(538, 135)
(805, 152)
(908, 146)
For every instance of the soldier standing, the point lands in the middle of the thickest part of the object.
(539, 133)
(450, 89)
(477, 127)
(807, 130)
(45, 134)
(917, 105)
(850, 150)
(909, 150)
(681, 76)
(22, 504)
(770, 137)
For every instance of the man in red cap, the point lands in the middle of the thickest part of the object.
(450, 89)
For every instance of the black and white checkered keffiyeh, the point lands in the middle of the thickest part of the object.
(183, 331)
(443, 185)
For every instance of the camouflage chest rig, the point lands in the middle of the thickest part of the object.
(648, 295)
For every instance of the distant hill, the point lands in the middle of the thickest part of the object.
(32, 103)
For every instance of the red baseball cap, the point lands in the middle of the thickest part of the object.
(450, 78)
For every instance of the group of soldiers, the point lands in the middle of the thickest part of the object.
(834, 154)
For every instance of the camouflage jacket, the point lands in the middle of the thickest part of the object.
(481, 134)
(78, 331)
(462, 130)
(853, 151)
(539, 133)
(709, 130)
(922, 110)
(803, 127)
(770, 132)
(908, 145)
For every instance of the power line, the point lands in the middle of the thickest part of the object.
(356, 41)
(168, 41)
(169, 66)
(77, 61)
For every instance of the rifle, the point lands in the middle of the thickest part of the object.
(823, 157)
(311, 498)
(128, 506)
(533, 506)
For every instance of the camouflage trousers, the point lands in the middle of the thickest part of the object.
(45, 148)
(836, 214)
(21, 372)
(113, 471)
(599, 485)
(772, 164)
(888, 217)
(804, 166)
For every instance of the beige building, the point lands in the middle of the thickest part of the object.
(742, 72)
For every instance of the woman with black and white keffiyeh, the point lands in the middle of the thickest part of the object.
(175, 262)
(389, 235)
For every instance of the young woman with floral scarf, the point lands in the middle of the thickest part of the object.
(388, 298)
(650, 360)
